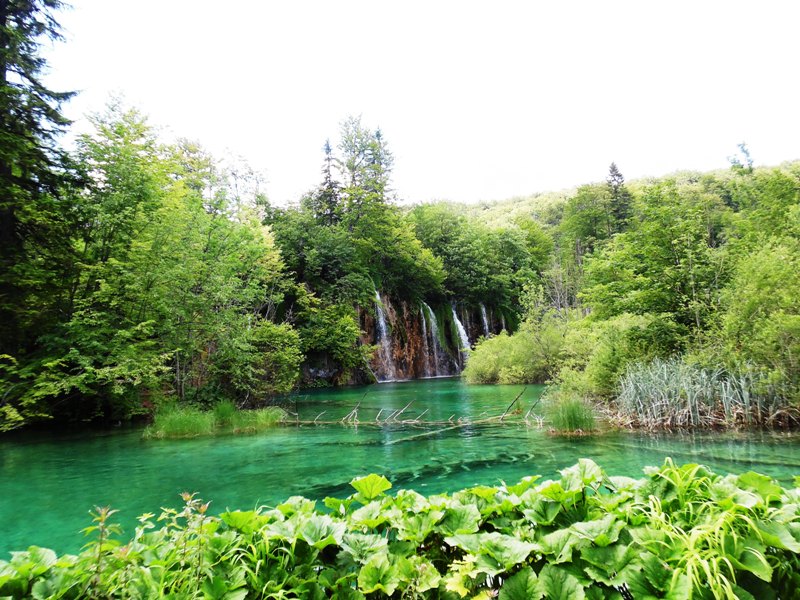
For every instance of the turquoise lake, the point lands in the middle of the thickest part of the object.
(49, 482)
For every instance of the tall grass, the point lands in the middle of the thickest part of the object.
(175, 422)
(675, 394)
(569, 414)
(181, 422)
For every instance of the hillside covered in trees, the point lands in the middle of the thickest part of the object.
(136, 272)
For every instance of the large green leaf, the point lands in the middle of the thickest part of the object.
(362, 547)
(495, 552)
(321, 531)
(559, 545)
(764, 486)
(578, 476)
(378, 574)
(462, 518)
(556, 583)
(544, 512)
(370, 487)
(601, 532)
(416, 527)
(521, 586)
(246, 521)
(777, 535)
(370, 515)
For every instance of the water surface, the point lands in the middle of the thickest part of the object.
(48, 483)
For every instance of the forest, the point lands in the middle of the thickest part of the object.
(137, 273)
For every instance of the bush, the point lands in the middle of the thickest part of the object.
(678, 532)
(532, 355)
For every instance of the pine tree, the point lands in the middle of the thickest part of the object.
(34, 236)
(620, 197)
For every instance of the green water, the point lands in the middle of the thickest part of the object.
(48, 483)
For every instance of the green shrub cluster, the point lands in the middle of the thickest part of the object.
(678, 532)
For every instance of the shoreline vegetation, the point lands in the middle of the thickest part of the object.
(179, 422)
(677, 532)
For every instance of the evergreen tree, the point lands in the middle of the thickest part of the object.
(620, 197)
(34, 233)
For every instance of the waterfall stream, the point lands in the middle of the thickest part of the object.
(485, 321)
(425, 347)
(385, 341)
(434, 331)
(462, 336)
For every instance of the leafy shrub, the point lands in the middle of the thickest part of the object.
(532, 355)
(678, 532)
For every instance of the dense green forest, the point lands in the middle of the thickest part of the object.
(136, 273)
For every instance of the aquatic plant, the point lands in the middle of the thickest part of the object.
(677, 532)
(674, 393)
(173, 422)
(569, 414)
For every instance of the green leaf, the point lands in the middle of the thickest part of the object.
(557, 583)
(378, 574)
(321, 531)
(578, 476)
(764, 486)
(525, 484)
(544, 512)
(602, 532)
(777, 535)
(520, 586)
(369, 516)
(363, 546)
(462, 518)
(559, 545)
(370, 487)
(246, 522)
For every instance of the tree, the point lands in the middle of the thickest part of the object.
(620, 198)
(34, 248)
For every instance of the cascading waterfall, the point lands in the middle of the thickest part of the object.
(462, 335)
(385, 340)
(485, 320)
(425, 348)
(437, 349)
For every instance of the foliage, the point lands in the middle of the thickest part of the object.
(675, 393)
(760, 323)
(35, 174)
(175, 289)
(569, 414)
(678, 532)
(174, 422)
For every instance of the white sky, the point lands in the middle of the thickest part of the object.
(477, 100)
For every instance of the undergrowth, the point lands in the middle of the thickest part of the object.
(678, 532)
(171, 422)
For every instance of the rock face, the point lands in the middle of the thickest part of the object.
(415, 341)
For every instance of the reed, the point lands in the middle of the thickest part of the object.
(569, 414)
(173, 422)
(671, 393)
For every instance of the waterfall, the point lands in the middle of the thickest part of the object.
(437, 348)
(502, 323)
(485, 321)
(425, 348)
(385, 340)
(462, 334)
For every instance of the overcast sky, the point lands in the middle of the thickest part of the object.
(477, 100)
